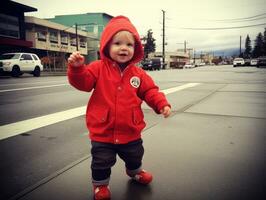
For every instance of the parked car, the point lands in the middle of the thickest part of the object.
(146, 64)
(202, 64)
(253, 62)
(238, 62)
(152, 64)
(156, 63)
(19, 63)
(261, 61)
(247, 62)
(189, 65)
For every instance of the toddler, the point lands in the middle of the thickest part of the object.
(114, 117)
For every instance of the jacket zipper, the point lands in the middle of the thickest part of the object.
(121, 76)
(114, 133)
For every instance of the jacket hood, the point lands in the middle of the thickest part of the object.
(116, 24)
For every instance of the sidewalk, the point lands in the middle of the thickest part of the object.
(53, 73)
(191, 155)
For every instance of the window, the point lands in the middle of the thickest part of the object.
(26, 57)
(9, 26)
(83, 27)
(73, 41)
(9, 56)
(35, 57)
(64, 38)
(82, 42)
(41, 35)
(53, 37)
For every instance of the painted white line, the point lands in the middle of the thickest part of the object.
(30, 83)
(24, 126)
(178, 88)
(35, 87)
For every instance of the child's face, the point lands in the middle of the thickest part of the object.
(122, 47)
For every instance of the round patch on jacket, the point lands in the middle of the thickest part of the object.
(135, 81)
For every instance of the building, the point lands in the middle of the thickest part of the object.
(202, 57)
(52, 41)
(175, 59)
(55, 42)
(12, 27)
(91, 22)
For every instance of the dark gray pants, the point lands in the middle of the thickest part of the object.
(104, 157)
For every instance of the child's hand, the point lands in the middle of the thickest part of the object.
(166, 111)
(76, 59)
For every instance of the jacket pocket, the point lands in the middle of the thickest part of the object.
(137, 116)
(97, 118)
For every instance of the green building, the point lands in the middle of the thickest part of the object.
(90, 22)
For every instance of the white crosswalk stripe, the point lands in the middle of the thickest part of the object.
(182, 87)
(36, 87)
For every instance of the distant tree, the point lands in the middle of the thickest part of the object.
(264, 43)
(258, 47)
(241, 55)
(248, 48)
(149, 43)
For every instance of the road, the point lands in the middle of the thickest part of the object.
(43, 132)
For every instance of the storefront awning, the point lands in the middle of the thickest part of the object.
(15, 42)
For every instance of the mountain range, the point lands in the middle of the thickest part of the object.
(227, 52)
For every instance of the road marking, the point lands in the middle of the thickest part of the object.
(178, 88)
(24, 126)
(30, 83)
(35, 87)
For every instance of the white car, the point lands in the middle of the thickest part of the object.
(19, 63)
(238, 62)
(253, 62)
(188, 65)
(202, 64)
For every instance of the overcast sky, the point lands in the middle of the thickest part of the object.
(184, 19)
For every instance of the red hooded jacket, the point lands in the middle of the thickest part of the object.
(114, 112)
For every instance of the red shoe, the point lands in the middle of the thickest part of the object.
(143, 177)
(101, 192)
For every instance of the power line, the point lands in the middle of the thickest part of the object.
(255, 17)
(243, 20)
(221, 28)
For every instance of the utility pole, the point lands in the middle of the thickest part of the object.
(76, 28)
(77, 44)
(163, 39)
(194, 56)
(240, 47)
(185, 46)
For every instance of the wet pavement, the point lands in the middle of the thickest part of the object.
(212, 148)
